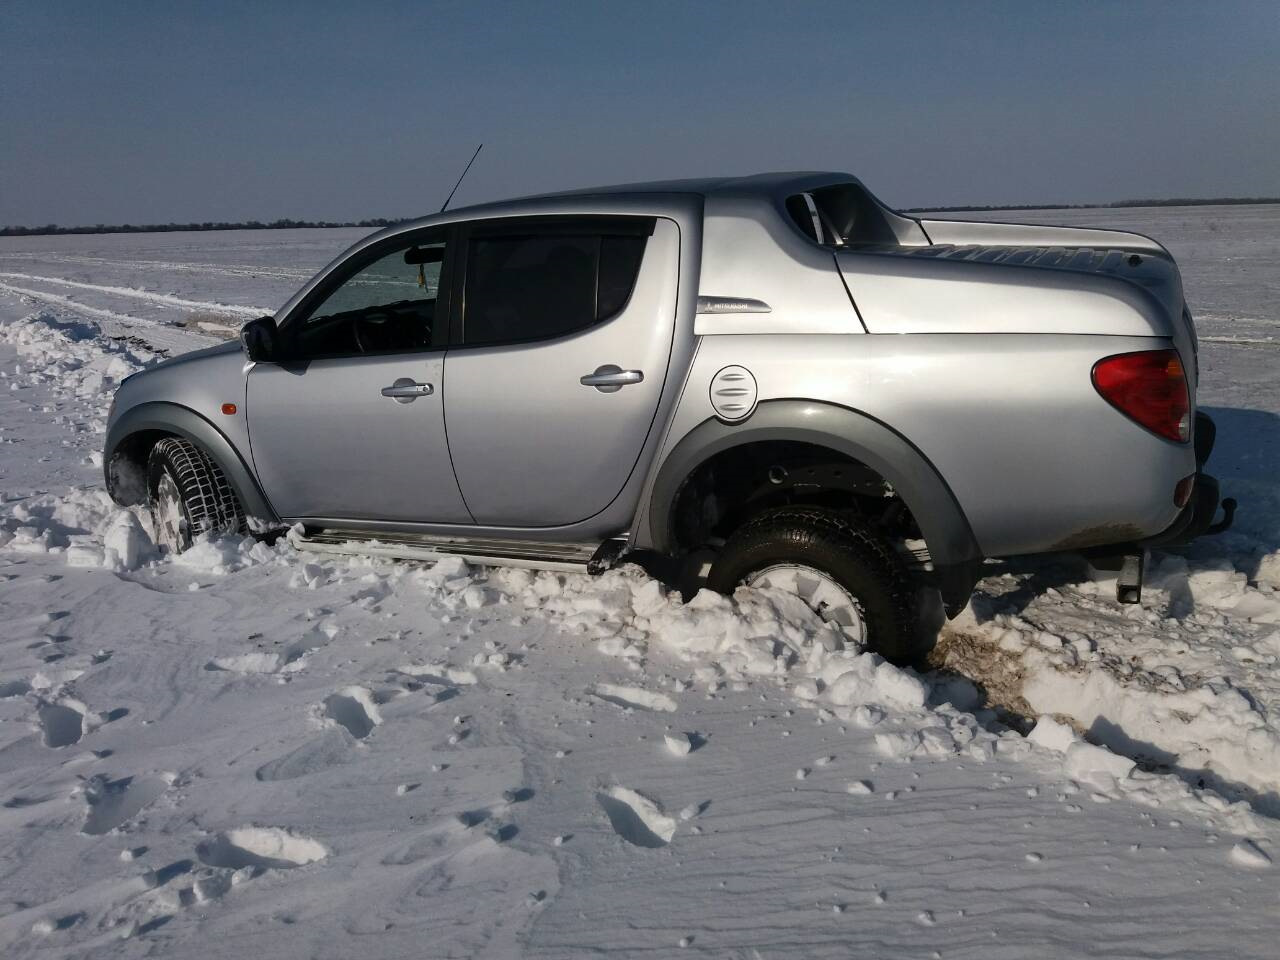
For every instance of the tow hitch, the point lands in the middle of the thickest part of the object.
(1131, 565)
(1195, 521)
(1228, 515)
(1129, 583)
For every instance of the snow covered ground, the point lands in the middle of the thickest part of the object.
(249, 751)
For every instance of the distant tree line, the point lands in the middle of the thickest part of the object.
(53, 228)
(1174, 202)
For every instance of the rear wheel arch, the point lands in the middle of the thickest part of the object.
(851, 435)
(135, 433)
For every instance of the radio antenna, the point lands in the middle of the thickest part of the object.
(464, 173)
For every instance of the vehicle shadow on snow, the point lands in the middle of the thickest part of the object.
(1246, 461)
(1153, 758)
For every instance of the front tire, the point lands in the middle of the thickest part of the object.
(188, 495)
(847, 560)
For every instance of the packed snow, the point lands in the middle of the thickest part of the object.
(246, 749)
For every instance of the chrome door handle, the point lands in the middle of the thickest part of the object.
(611, 378)
(405, 390)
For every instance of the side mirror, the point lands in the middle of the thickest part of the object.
(258, 337)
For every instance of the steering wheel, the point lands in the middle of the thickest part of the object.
(377, 319)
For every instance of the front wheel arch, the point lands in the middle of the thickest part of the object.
(133, 434)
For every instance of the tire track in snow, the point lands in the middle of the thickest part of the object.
(158, 335)
(1243, 341)
(242, 271)
(163, 299)
(273, 272)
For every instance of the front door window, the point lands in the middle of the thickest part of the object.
(388, 305)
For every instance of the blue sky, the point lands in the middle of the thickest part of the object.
(141, 111)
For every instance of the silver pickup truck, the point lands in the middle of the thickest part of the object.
(767, 381)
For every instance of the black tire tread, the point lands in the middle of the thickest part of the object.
(891, 600)
(208, 499)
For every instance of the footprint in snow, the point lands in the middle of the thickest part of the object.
(331, 748)
(111, 803)
(473, 818)
(14, 688)
(354, 709)
(62, 723)
(286, 661)
(47, 925)
(352, 714)
(440, 688)
(418, 849)
(267, 847)
(21, 801)
(502, 833)
(636, 818)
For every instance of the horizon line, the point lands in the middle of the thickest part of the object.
(287, 223)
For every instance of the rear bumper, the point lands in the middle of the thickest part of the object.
(1197, 518)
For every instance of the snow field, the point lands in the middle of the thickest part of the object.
(248, 750)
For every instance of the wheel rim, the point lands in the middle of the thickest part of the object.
(166, 511)
(821, 592)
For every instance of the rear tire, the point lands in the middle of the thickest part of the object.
(188, 495)
(849, 553)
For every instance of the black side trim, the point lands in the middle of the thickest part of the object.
(568, 224)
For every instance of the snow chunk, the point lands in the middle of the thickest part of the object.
(125, 543)
(636, 818)
(1084, 760)
(1052, 735)
(222, 555)
(678, 743)
(1246, 853)
(634, 697)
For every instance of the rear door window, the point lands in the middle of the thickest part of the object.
(540, 282)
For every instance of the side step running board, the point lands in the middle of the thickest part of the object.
(591, 558)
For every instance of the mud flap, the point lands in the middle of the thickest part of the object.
(955, 582)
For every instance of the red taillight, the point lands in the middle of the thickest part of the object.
(1149, 388)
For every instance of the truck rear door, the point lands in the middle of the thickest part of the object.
(562, 337)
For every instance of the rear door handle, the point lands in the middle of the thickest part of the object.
(611, 378)
(405, 390)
